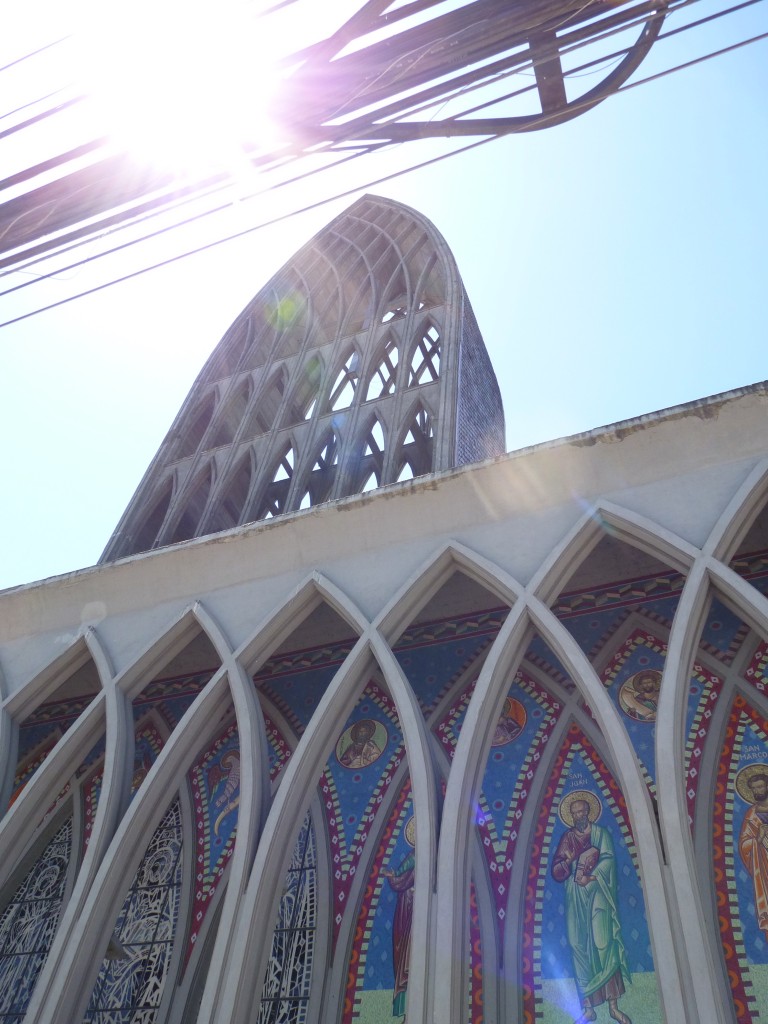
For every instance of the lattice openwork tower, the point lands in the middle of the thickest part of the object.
(359, 364)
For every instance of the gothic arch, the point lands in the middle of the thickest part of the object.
(197, 423)
(267, 404)
(381, 378)
(231, 495)
(424, 354)
(345, 381)
(193, 501)
(154, 518)
(230, 416)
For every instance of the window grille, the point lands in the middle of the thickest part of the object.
(28, 925)
(130, 985)
(285, 996)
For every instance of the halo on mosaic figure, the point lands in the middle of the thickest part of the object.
(410, 831)
(362, 744)
(510, 724)
(745, 776)
(592, 801)
(639, 695)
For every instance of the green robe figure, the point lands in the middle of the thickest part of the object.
(584, 861)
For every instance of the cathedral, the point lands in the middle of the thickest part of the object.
(360, 720)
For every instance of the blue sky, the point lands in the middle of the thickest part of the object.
(616, 266)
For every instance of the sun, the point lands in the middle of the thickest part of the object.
(184, 86)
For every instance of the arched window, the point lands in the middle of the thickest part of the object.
(28, 925)
(382, 381)
(344, 386)
(323, 473)
(274, 501)
(285, 996)
(134, 971)
(425, 361)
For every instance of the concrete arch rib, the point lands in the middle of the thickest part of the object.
(668, 958)
(62, 762)
(430, 577)
(117, 845)
(243, 945)
(578, 544)
(739, 514)
(79, 957)
(690, 922)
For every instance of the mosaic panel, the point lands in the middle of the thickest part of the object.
(40, 733)
(28, 925)
(215, 783)
(354, 785)
(588, 944)
(171, 697)
(295, 682)
(377, 980)
(434, 655)
(740, 851)
(525, 726)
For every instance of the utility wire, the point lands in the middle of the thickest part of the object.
(337, 196)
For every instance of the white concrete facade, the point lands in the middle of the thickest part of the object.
(683, 487)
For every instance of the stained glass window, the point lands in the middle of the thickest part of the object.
(130, 984)
(285, 997)
(28, 924)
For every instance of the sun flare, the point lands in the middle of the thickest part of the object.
(184, 86)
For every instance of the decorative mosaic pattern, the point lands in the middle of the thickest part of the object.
(434, 655)
(475, 994)
(40, 733)
(371, 962)
(279, 751)
(130, 987)
(295, 683)
(546, 953)
(285, 996)
(215, 783)
(740, 861)
(148, 743)
(354, 787)
(513, 759)
(704, 690)
(28, 925)
(756, 672)
(626, 592)
(171, 697)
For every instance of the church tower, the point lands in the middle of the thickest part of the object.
(358, 365)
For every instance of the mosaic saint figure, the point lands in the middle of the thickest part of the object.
(401, 880)
(363, 749)
(585, 863)
(752, 786)
(639, 696)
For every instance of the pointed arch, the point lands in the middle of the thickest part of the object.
(196, 499)
(274, 500)
(382, 378)
(739, 516)
(416, 445)
(303, 399)
(319, 482)
(346, 380)
(365, 468)
(232, 495)
(150, 528)
(192, 431)
(267, 405)
(231, 416)
(424, 366)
